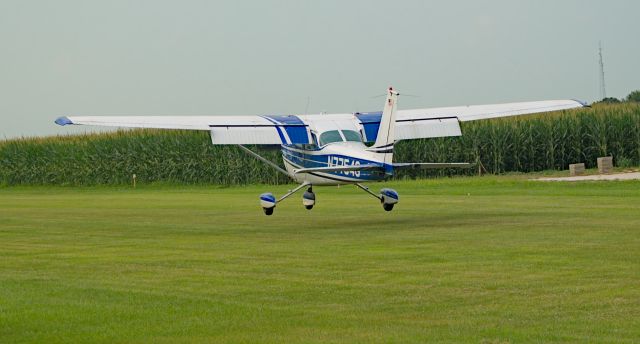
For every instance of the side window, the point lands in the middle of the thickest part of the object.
(330, 137)
(351, 135)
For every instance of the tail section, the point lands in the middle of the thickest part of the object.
(386, 132)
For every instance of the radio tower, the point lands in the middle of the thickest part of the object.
(603, 90)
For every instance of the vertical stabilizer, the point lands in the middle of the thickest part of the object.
(386, 132)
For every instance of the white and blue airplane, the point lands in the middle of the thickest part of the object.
(334, 149)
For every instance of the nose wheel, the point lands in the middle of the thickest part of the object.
(309, 198)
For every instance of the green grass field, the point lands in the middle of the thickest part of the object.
(481, 260)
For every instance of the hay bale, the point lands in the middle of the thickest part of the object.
(605, 165)
(576, 169)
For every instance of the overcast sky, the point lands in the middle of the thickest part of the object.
(189, 57)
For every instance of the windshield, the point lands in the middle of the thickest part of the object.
(351, 135)
(329, 137)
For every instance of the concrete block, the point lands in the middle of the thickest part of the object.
(576, 169)
(605, 165)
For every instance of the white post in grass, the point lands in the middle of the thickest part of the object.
(134, 180)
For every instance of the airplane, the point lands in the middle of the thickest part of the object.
(334, 149)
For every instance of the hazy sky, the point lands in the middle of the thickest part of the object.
(188, 57)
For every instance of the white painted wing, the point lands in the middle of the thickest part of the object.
(223, 129)
(444, 121)
(410, 124)
(164, 122)
(476, 112)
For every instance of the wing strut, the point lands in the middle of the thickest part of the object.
(268, 162)
(291, 192)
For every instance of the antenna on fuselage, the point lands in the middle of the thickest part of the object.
(306, 108)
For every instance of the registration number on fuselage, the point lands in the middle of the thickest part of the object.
(340, 161)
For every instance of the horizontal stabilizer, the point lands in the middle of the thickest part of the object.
(339, 168)
(426, 165)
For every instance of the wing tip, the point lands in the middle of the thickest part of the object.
(62, 121)
(581, 102)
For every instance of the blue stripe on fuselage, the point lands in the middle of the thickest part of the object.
(304, 160)
(325, 176)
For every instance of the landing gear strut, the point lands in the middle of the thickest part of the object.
(268, 200)
(388, 197)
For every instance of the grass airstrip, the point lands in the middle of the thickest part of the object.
(469, 259)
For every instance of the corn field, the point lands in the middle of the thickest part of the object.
(549, 141)
(170, 156)
(525, 144)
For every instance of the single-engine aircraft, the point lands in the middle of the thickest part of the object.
(334, 149)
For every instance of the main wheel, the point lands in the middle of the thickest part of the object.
(268, 202)
(309, 199)
(387, 207)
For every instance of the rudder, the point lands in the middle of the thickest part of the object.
(386, 133)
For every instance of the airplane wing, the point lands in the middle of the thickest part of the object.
(445, 121)
(276, 130)
(476, 112)
(163, 122)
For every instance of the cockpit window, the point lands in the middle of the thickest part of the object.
(351, 135)
(329, 137)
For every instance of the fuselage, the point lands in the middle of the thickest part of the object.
(332, 155)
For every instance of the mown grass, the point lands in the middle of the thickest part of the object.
(490, 259)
